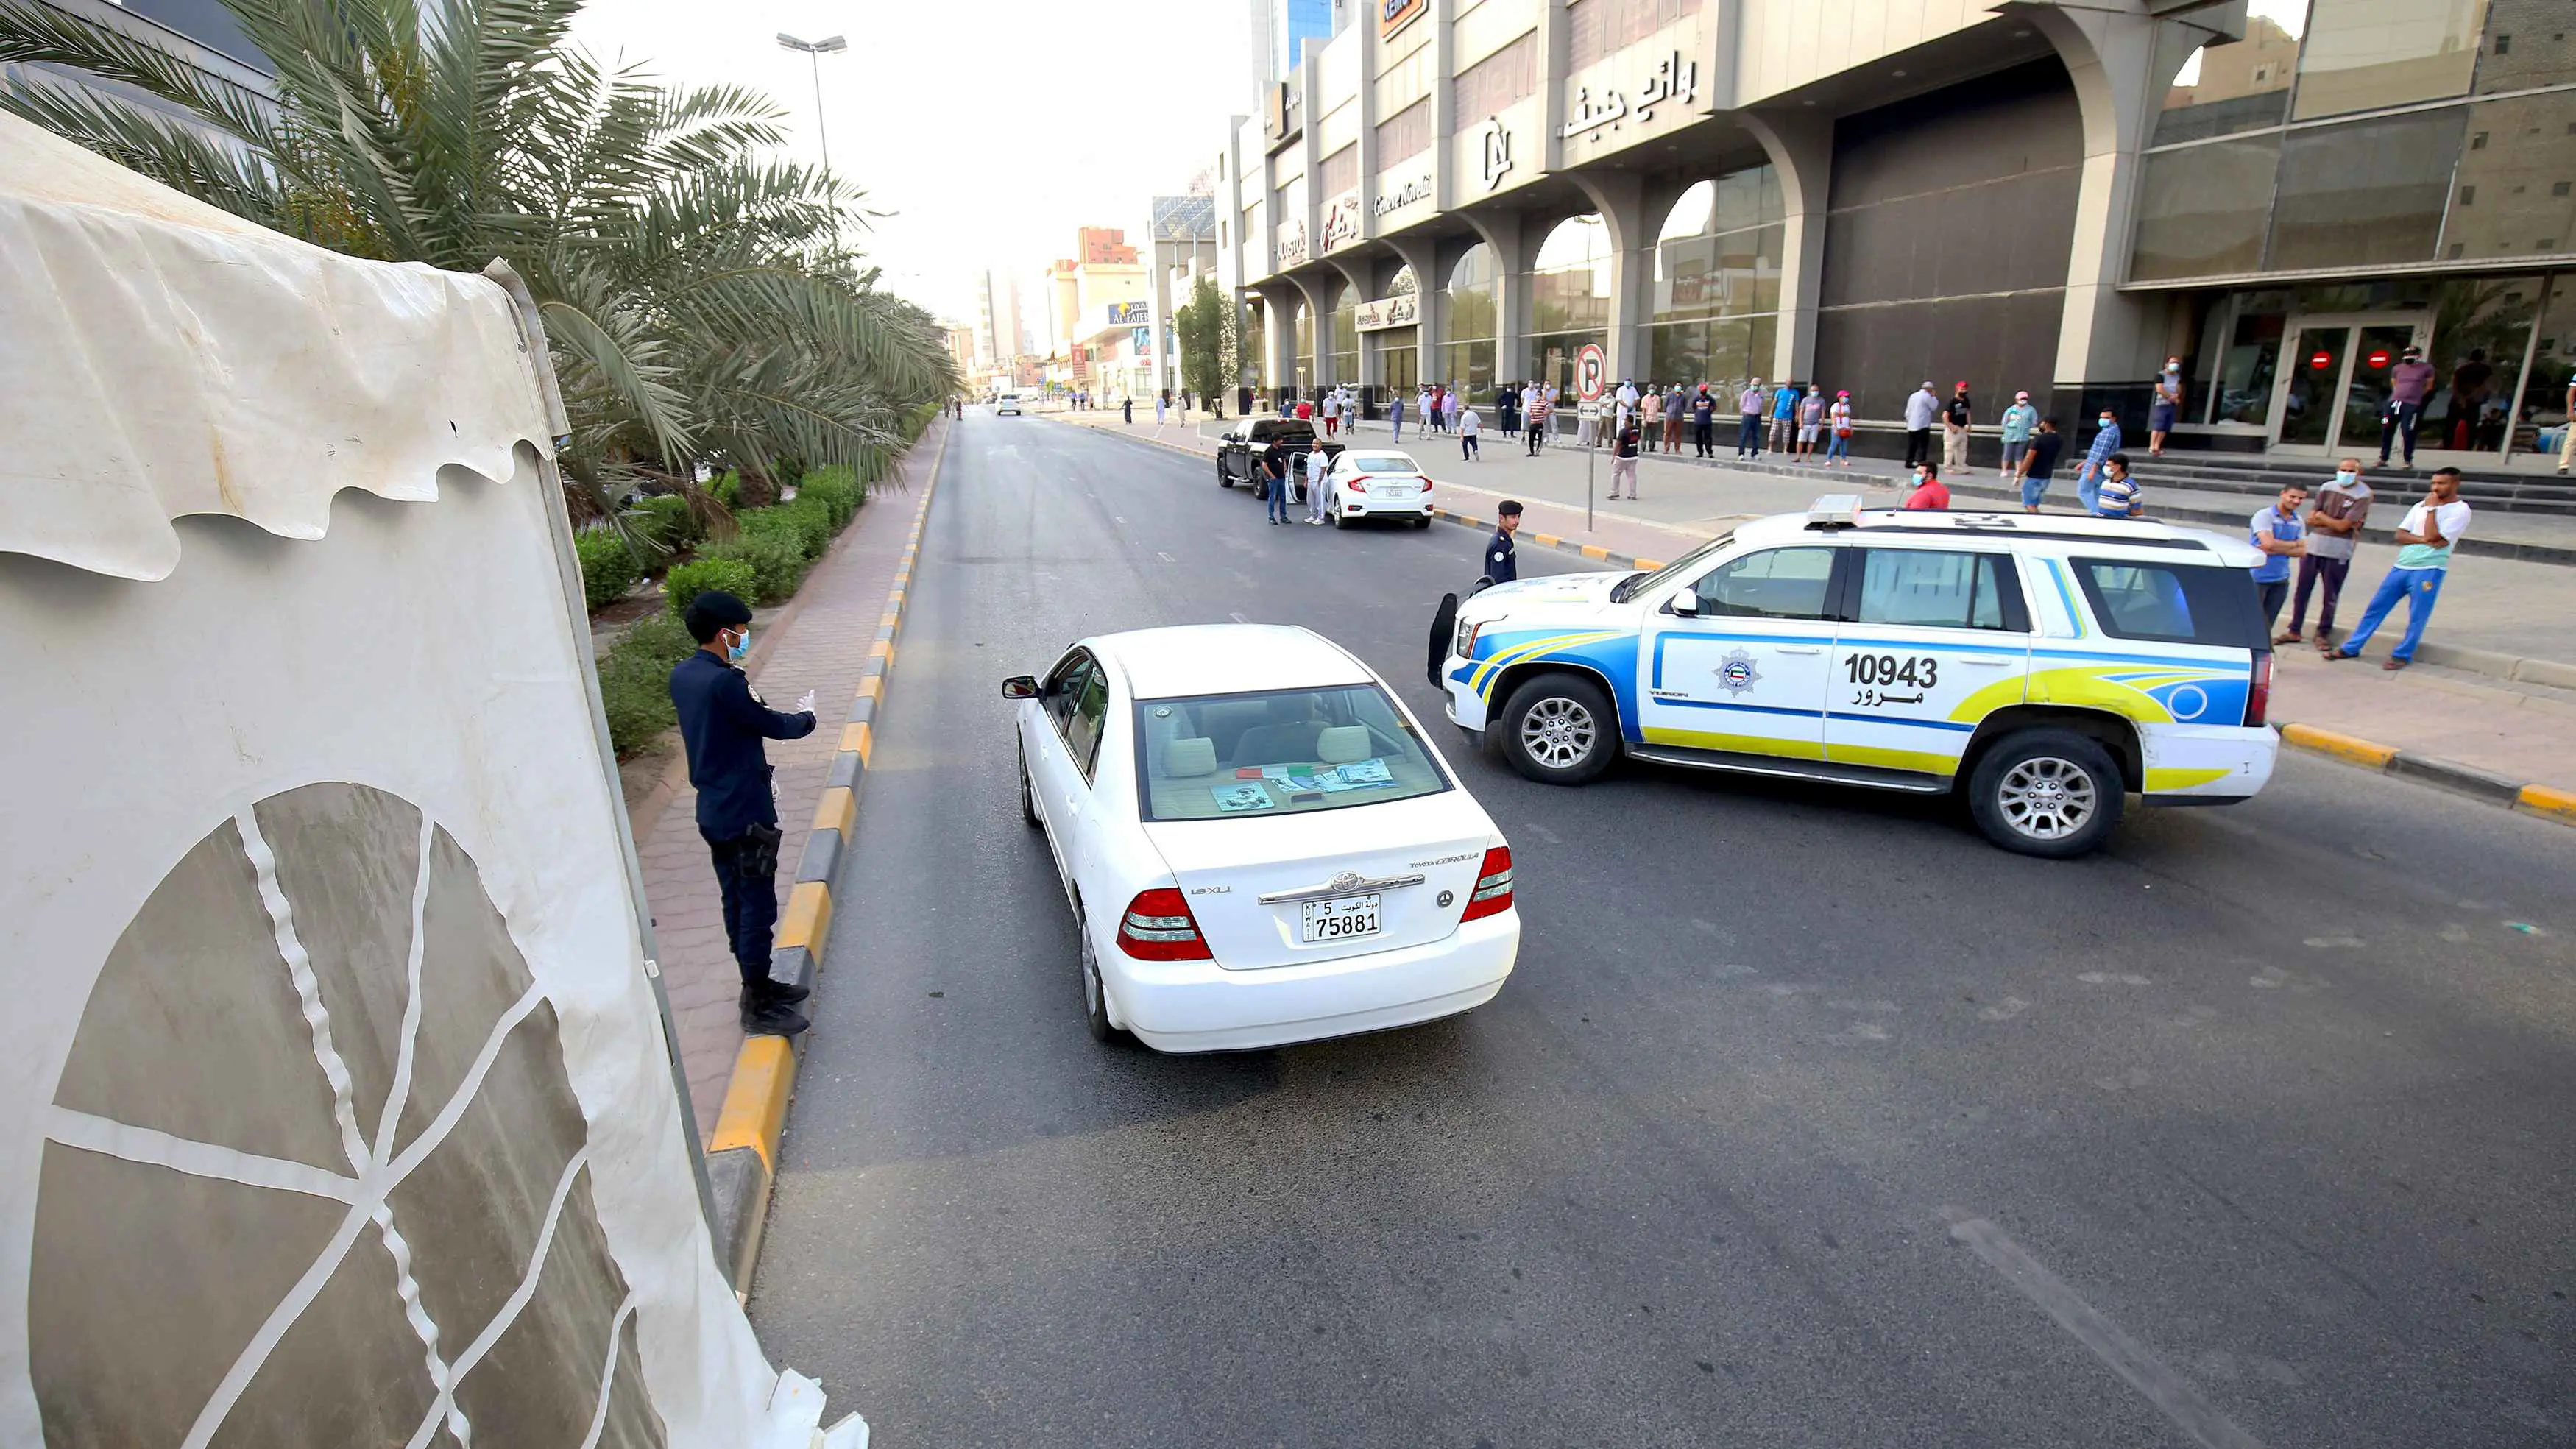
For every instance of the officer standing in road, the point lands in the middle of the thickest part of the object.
(722, 724)
(1502, 562)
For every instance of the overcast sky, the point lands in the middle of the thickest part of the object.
(991, 130)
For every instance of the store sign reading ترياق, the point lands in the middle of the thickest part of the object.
(1418, 189)
(1386, 312)
(1342, 219)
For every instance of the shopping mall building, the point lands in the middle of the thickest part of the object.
(1865, 194)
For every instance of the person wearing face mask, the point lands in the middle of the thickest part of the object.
(2088, 479)
(1929, 492)
(722, 724)
(2160, 416)
(2335, 518)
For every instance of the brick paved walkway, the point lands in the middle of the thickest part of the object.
(822, 646)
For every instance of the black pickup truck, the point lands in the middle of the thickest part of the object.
(1239, 453)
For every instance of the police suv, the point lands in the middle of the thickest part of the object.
(2048, 666)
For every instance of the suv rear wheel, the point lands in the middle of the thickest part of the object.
(2050, 793)
(1224, 479)
(1558, 729)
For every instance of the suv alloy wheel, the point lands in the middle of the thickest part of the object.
(2046, 792)
(1558, 729)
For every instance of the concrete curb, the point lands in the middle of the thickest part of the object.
(742, 1152)
(2545, 801)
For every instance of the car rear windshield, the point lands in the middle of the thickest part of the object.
(1282, 753)
(1382, 463)
(2173, 603)
(1283, 432)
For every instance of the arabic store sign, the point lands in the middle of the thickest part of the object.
(1342, 219)
(1417, 189)
(1292, 243)
(1384, 313)
(1673, 81)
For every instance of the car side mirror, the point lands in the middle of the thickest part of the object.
(1685, 604)
(1020, 686)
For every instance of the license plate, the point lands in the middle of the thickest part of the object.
(1341, 919)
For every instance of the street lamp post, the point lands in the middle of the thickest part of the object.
(814, 53)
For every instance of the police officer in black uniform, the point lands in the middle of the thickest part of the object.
(722, 722)
(1502, 563)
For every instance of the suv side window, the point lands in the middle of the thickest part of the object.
(1777, 583)
(1941, 589)
(1084, 727)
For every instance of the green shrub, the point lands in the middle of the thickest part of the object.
(838, 489)
(776, 556)
(635, 682)
(727, 489)
(608, 570)
(665, 519)
(806, 527)
(686, 581)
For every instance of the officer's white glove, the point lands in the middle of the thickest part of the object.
(806, 704)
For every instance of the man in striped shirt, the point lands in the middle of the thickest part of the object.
(2118, 495)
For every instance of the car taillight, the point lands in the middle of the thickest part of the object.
(1493, 893)
(1158, 927)
(1357, 485)
(1425, 482)
(2258, 700)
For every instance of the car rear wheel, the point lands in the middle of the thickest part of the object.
(1223, 478)
(2050, 793)
(1558, 729)
(1028, 797)
(1424, 522)
(1095, 1000)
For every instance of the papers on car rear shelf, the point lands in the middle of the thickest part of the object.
(1235, 798)
(1357, 775)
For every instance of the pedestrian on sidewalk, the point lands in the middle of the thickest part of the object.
(1319, 493)
(1838, 421)
(2106, 442)
(2118, 494)
(2168, 403)
(1811, 423)
(1784, 418)
(1502, 560)
(1450, 406)
(2335, 517)
(1677, 410)
(722, 724)
(1162, 405)
(1957, 415)
(1929, 493)
(1127, 411)
(1751, 404)
(1542, 408)
(1274, 483)
(1332, 412)
(2409, 383)
(1467, 429)
(1507, 411)
(1650, 415)
(1704, 422)
(2276, 531)
(2018, 420)
(1395, 414)
(1426, 415)
(1624, 447)
(1921, 407)
(2567, 429)
(2038, 463)
(1627, 396)
(2425, 539)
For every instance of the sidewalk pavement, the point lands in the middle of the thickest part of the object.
(2495, 614)
(821, 642)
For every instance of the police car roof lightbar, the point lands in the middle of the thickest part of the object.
(1834, 510)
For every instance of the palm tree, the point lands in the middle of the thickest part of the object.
(703, 303)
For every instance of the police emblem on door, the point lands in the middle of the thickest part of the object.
(1736, 674)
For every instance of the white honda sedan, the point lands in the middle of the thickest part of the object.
(1259, 844)
(1378, 483)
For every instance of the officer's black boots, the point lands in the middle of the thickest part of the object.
(768, 1011)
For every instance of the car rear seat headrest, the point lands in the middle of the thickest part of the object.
(1343, 744)
(1187, 758)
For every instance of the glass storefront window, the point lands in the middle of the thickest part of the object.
(2366, 193)
(2364, 54)
(2480, 327)
(2247, 364)
(2528, 43)
(1398, 370)
(1718, 254)
(1256, 346)
(1471, 366)
(2541, 416)
(1724, 350)
(2511, 197)
(1570, 279)
(1552, 355)
(1305, 349)
(2244, 86)
(1345, 338)
(2202, 210)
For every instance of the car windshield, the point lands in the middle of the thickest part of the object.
(1630, 587)
(1380, 463)
(1277, 753)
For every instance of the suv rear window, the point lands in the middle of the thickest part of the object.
(1283, 432)
(1290, 752)
(2173, 603)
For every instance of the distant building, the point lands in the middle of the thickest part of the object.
(200, 34)
(1182, 236)
(1000, 334)
(1099, 302)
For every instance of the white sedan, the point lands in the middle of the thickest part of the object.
(1378, 483)
(1259, 843)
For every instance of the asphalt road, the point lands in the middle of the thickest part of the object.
(1808, 1118)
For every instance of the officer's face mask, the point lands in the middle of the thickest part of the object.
(740, 646)
(2343, 475)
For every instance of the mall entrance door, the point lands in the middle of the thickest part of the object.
(2334, 375)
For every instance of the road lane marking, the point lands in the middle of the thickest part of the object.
(1167, 558)
(1238, 618)
(2125, 1356)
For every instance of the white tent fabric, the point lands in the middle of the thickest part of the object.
(167, 358)
(334, 1106)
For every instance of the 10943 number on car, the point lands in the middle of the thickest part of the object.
(1917, 671)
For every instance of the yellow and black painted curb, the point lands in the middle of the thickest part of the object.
(2545, 801)
(742, 1152)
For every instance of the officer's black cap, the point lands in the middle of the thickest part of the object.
(1509, 509)
(713, 610)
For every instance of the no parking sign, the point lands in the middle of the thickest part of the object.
(1591, 372)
